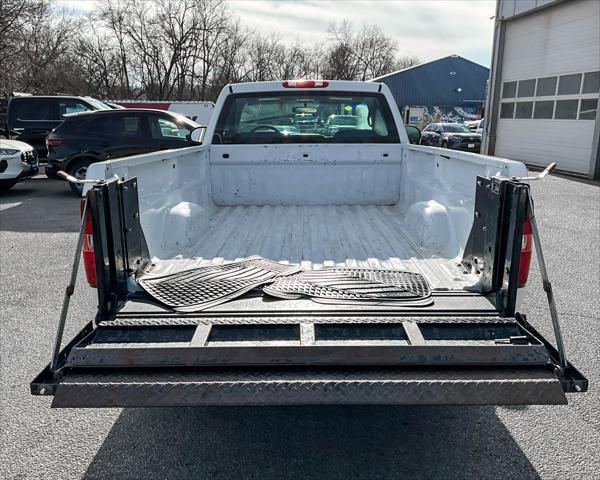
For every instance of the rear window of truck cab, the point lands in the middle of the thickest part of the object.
(305, 117)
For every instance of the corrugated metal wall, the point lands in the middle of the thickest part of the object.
(438, 82)
(563, 40)
(510, 8)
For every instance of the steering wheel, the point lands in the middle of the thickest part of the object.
(263, 127)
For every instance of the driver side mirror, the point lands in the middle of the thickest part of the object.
(414, 134)
(197, 135)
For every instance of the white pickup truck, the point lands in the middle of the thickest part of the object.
(285, 261)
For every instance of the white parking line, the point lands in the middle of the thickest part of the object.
(6, 206)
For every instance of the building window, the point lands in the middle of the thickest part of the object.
(566, 109)
(588, 109)
(546, 87)
(543, 109)
(526, 88)
(569, 84)
(509, 90)
(507, 109)
(591, 82)
(524, 109)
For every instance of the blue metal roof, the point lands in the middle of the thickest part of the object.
(437, 83)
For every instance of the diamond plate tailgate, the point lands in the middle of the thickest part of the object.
(394, 386)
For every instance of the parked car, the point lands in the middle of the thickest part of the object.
(472, 124)
(479, 128)
(335, 123)
(89, 137)
(410, 283)
(29, 118)
(18, 161)
(451, 135)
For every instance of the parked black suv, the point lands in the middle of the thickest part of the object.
(29, 118)
(451, 135)
(89, 137)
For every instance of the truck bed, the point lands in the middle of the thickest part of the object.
(316, 236)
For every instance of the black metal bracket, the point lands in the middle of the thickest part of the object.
(481, 252)
(494, 245)
(119, 243)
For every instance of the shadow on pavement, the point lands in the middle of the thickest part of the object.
(310, 442)
(39, 205)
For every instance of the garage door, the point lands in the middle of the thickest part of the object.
(550, 86)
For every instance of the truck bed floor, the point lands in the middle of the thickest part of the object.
(315, 236)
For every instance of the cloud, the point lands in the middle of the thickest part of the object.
(427, 29)
(78, 8)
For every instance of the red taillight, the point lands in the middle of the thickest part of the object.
(54, 142)
(305, 83)
(526, 251)
(89, 261)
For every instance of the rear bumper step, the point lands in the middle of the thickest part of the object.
(394, 386)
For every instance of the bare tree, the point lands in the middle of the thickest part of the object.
(46, 41)
(15, 15)
(404, 62)
(375, 53)
(111, 15)
(360, 56)
(170, 50)
(232, 64)
(99, 61)
(341, 58)
(213, 31)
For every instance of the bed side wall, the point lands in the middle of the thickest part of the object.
(437, 196)
(174, 194)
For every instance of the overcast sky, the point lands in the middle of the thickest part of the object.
(428, 29)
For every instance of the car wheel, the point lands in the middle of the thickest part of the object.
(79, 171)
(52, 175)
(7, 184)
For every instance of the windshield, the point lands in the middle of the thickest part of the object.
(299, 117)
(455, 128)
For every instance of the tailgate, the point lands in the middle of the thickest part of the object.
(140, 360)
(468, 386)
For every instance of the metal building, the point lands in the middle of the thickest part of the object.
(545, 83)
(448, 89)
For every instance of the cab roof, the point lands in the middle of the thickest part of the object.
(332, 85)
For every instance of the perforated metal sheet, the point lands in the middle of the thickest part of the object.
(354, 285)
(200, 288)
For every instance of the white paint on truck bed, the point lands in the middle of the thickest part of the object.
(317, 236)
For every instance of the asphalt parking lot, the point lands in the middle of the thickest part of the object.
(38, 223)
